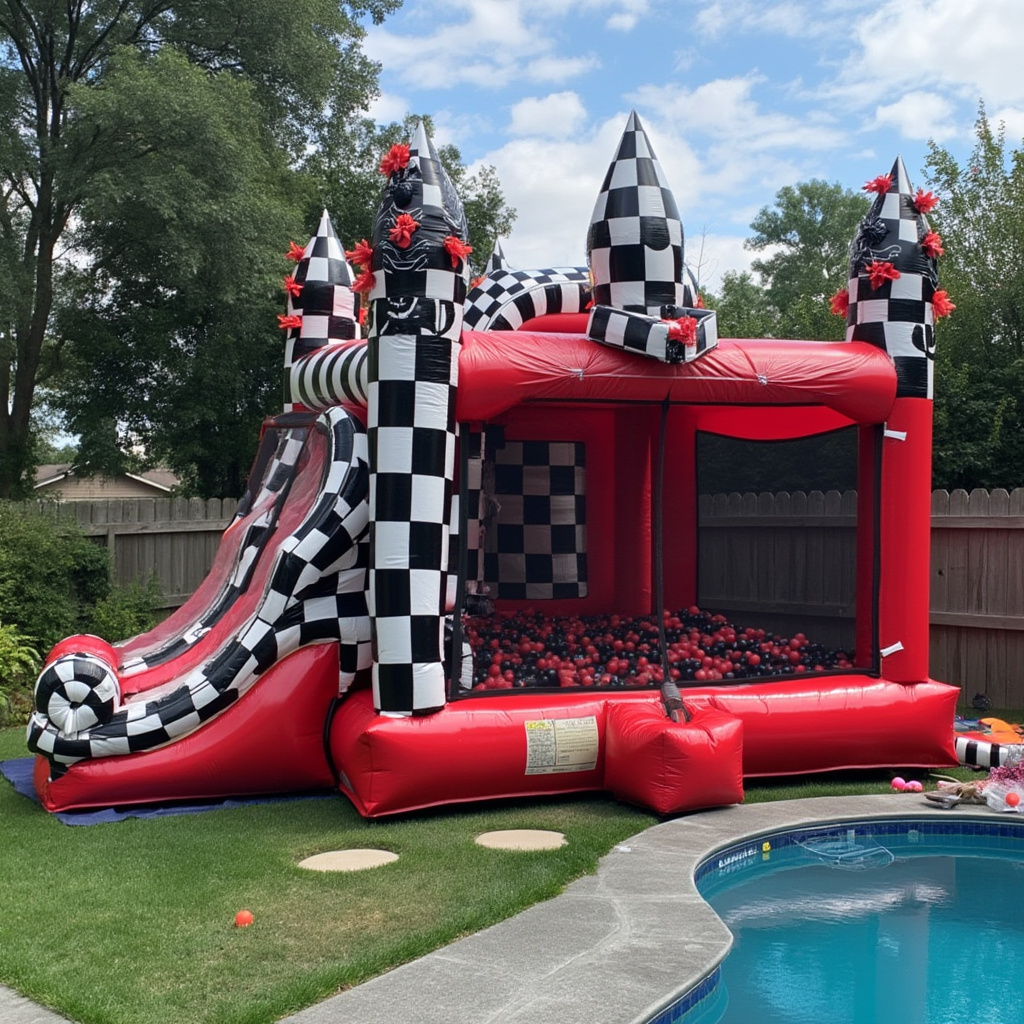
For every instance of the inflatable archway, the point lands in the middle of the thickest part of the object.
(475, 563)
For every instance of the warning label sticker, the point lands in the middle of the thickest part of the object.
(561, 745)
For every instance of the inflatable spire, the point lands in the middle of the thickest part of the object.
(893, 281)
(321, 304)
(635, 252)
(496, 261)
(417, 286)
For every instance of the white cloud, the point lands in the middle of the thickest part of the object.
(625, 20)
(971, 47)
(725, 110)
(388, 107)
(488, 44)
(556, 116)
(1013, 120)
(919, 115)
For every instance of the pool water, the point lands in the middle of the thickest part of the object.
(936, 936)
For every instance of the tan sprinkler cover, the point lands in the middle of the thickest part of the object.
(521, 839)
(348, 860)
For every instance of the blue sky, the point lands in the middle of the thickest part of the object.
(739, 98)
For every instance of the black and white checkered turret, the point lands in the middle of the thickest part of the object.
(496, 261)
(315, 593)
(892, 282)
(320, 295)
(635, 241)
(418, 287)
(635, 249)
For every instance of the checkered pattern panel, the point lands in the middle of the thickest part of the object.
(506, 299)
(414, 342)
(896, 316)
(315, 594)
(326, 302)
(474, 511)
(648, 336)
(331, 375)
(538, 548)
(635, 242)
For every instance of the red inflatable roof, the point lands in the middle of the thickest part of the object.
(498, 370)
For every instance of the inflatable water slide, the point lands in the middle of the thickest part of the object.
(508, 543)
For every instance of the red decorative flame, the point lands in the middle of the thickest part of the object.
(925, 202)
(289, 321)
(361, 255)
(699, 304)
(457, 249)
(932, 245)
(395, 159)
(362, 316)
(941, 306)
(684, 329)
(840, 302)
(881, 184)
(291, 286)
(477, 281)
(401, 233)
(881, 271)
(295, 252)
(364, 282)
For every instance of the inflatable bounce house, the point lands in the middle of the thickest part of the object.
(476, 555)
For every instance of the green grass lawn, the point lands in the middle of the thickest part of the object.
(133, 922)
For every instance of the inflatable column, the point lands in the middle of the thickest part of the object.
(417, 287)
(635, 249)
(321, 312)
(893, 301)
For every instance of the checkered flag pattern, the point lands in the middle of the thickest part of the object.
(635, 241)
(506, 299)
(414, 342)
(538, 548)
(649, 336)
(315, 594)
(326, 302)
(77, 692)
(332, 375)
(896, 316)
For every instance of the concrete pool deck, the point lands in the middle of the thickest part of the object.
(616, 947)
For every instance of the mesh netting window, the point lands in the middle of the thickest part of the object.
(777, 540)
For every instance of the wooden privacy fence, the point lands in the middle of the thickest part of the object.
(781, 561)
(175, 539)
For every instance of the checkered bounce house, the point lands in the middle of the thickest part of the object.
(446, 577)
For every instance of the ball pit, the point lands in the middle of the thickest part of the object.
(531, 649)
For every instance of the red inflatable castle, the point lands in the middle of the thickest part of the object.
(490, 549)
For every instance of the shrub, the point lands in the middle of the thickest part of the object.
(51, 574)
(126, 611)
(19, 663)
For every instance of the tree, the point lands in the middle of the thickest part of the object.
(743, 308)
(809, 232)
(54, 150)
(979, 417)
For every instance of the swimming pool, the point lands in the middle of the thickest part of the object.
(920, 922)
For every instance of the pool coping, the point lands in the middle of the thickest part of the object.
(622, 946)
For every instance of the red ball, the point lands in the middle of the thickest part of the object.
(1012, 799)
(243, 919)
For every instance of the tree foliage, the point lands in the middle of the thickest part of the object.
(61, 69)
(979, 415)
(806, 239)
